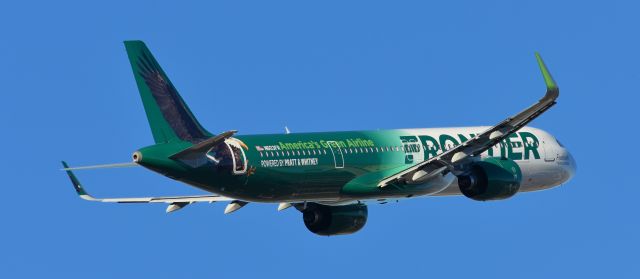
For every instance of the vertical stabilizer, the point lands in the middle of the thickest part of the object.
(169, 117)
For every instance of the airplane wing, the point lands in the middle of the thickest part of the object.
(459, 155)
(177, 200)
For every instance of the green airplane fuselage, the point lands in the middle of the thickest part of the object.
(329, 166)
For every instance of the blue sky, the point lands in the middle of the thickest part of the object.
(316, 66)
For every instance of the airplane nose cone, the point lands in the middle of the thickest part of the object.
(573, 167)
(568, 163)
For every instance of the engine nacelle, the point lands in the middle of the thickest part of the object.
(333, 220)
(491, 179)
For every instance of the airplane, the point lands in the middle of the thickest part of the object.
(331, 177)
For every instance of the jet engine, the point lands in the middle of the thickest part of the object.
(491, 179)
(334, 220)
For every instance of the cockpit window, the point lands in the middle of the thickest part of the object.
(559, 143)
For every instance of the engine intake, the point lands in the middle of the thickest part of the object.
(491, 179)
(334, 220)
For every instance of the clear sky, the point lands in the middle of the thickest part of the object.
(257, 66)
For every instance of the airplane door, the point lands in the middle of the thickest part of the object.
(338, 157)
(549, 152)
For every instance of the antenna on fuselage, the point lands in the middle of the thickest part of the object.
(286, 130)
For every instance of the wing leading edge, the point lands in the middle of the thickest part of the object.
(460, 154)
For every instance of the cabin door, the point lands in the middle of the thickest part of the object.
(549, 152)
(336, 151)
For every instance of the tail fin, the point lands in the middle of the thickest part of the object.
(169, 117)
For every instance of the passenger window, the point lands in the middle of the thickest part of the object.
(260, 154)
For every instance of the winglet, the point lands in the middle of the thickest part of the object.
(548, 79)
(76, 184)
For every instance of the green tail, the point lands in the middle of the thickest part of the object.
(169, 117)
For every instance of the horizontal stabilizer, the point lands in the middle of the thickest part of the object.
(202, 147)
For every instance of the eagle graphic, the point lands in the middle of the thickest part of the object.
(171, 105)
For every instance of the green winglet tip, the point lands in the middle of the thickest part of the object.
(74, 180)
(548, 79)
